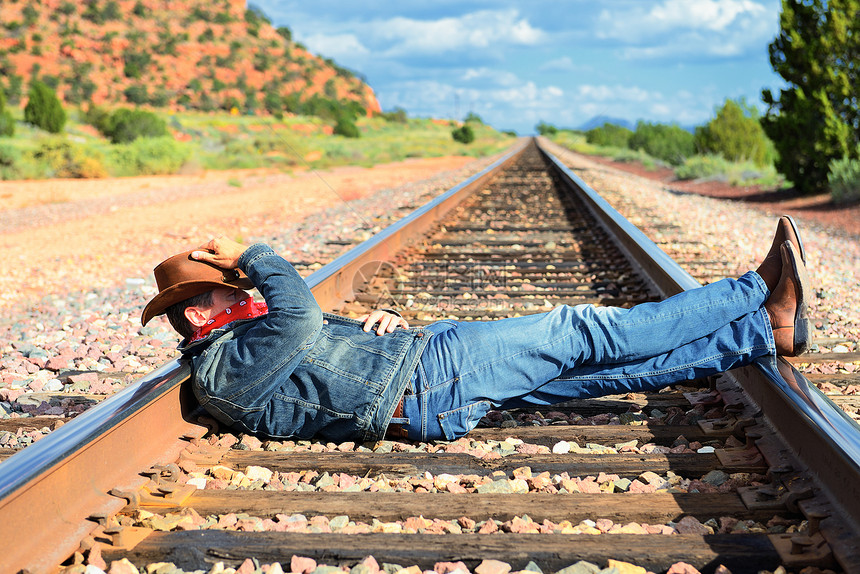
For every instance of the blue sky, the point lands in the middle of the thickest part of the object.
(560, 61)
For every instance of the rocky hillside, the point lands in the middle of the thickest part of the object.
(191, 54)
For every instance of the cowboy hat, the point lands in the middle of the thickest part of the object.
(181, 277)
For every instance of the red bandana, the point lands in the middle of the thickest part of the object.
(244, 309)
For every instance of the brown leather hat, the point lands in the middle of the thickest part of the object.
(181, 277)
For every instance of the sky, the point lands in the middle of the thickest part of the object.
(559, 61)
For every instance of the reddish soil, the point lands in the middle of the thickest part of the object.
(816, 208)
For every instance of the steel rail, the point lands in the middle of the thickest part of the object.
(821, 434)
(50, 489)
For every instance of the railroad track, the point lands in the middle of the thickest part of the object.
(752, 469)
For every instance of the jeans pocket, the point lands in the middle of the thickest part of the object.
(459, 421)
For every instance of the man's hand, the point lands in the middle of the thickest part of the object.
(221, 251)
(387, 322)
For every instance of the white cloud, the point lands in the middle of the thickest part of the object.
(683, 28)
(491, 76)
(616, 93)
(338, 46)
(477, 30)
(563, 64)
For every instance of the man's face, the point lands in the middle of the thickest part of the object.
(224, 297)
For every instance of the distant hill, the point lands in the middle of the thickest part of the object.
(191, 54)
(598, 121)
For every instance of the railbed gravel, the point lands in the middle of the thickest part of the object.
(66, 352)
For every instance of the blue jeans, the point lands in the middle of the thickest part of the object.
(584, 351)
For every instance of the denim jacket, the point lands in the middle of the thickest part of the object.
(299, 372)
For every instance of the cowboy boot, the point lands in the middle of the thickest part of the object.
(771, 268)
(788, 305)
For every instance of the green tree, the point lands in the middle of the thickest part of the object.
(43, 108)
(464, 134)
(668, 142)
(816, 118)
(735, 133)
(546, 129)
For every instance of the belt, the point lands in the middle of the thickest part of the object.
(396, 430)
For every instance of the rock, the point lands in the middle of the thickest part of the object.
(690, 525)
(682, 568)
(302, 564)
(532, 567)
(493, 567)
(561, 447)
(581, 567)
(123, 567)
(715, 477)
(259, 473)
(625, 567)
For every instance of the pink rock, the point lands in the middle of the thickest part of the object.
(10, 395)
(445, 567)
(247, 567)
(493, 567)
(371, 563)
(691, 525)
(123, 567)
(682, 568)
(88, 378)
(638, 487)
(95, 557)
(302, 564)
(252, 442)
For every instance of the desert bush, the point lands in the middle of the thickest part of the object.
(844, 180)
(397, 115)
(61, 158)
(7, 122)
(97, 117)
(9, 158)
(702, 166)
(43, 108)
(346, 128)
(148, 156)
(464, 134)
(126, 125)
(609, 135)
(668, 142)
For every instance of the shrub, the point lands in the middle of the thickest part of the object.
(668, 142)
(844, 180)
(609, 135)
(397, 115)
(99, 118)
(61, 158)
(127, 125)
(346, 128)
(464, 134)
(702, 166)
(149, 156)
(7, 122)
(136, 94)
(44, 109)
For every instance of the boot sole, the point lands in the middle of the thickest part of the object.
(802, 324)
(797, 235)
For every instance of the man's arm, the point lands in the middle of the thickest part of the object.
(225, 253)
